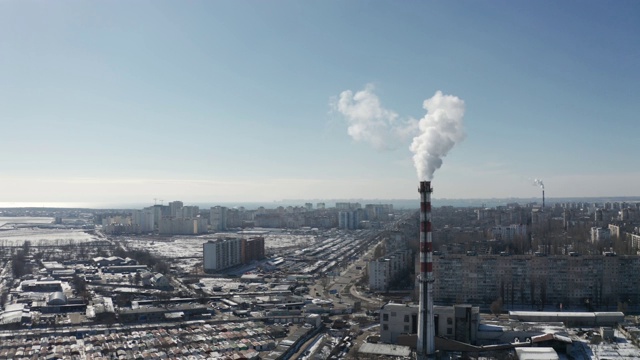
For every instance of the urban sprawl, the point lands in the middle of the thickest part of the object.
(319, 281)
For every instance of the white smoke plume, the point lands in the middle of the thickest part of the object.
(433, 136)
(440, 130)
(538, 182)
(369, 122)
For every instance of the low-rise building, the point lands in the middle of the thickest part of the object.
(458, 322)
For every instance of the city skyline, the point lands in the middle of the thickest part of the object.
(235, 102)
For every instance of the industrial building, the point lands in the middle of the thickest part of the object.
(400, 321)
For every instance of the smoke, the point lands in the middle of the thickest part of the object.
(440, 130)
(538, 182)
(433, 136)
(369, 122)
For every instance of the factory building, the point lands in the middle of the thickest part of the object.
(458, 322)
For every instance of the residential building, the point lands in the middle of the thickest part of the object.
(222, 254)
(600, 234)
(252, 249)
(509, 233)
(218, 218)
(591, 280)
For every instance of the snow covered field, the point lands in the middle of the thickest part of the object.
(7, 221)
(184, 246)
(44, 237)
(14, 231)
(189, 248)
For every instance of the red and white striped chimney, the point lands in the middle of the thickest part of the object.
(426, 330)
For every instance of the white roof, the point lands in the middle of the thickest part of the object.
(385, 349)
(537, 353)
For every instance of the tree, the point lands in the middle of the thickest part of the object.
(26, 246)
(378, 252)
(496, 306)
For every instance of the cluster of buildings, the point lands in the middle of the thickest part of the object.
(395, 263)
(525, 335)
(172, 219)
(233, 340)
(178, 219)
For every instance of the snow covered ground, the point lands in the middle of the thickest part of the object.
(9, 221)
(44, 237)
(191, 246)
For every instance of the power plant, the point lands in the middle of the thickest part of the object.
(426, 329)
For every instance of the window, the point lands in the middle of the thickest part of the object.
(393, 313)
(406, 328)
(449, 321)
(449, 331)
(385, 317)
(385, 327)
(406, 318)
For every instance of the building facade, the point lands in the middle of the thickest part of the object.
(221, 254)
(458, 322)
(597, 280)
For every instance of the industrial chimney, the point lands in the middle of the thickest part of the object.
(426, 330)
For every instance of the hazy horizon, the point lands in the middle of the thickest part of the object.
(250, 205)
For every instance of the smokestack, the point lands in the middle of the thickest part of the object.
(542, 199)
(426, 329)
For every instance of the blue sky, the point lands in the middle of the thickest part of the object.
(119, 101)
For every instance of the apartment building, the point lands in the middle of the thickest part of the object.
(510, 232)
(218, 218)
(597, 280)
(178, 226)
(600, 234)
(222, 254)
(225, 253)
(382, 272)
(252, 249)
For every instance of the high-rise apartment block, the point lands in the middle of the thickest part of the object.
(218, 218)
(600, 234)
(252, 249)
(225, 253)
(571, 280)
(222, 254)
(382, 272)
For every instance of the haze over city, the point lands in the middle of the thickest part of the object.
(115, 102)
